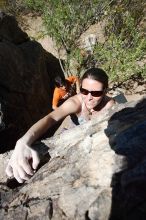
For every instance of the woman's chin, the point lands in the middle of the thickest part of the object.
(90, 106)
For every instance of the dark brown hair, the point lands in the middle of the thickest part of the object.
(96, 74)
(59, 81)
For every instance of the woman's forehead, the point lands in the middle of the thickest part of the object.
(91, 84)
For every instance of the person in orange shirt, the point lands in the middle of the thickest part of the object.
(64, 89)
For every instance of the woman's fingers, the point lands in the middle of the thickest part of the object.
(25, 165)
(22, 174)
(22, 163)
(17, 176)
(35, 159)
(9, 170)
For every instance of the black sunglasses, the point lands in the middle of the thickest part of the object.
(93, 93)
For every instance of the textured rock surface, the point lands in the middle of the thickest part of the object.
(96, 171)
(26, 76)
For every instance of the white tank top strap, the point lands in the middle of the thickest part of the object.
(84, 114)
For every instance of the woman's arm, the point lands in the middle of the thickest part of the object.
(24, 159)
(38, 129)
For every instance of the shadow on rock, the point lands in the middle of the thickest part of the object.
(127, 137)
(27, 74)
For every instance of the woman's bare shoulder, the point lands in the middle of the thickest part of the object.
(71, 105)
(77, 99)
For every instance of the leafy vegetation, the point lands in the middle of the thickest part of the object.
(124, 45)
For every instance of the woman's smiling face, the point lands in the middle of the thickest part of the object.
(90, 100)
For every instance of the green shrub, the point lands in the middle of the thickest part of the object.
(66, 20)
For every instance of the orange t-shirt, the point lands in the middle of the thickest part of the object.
(59, 93)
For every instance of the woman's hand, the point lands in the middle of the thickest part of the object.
(23, 162)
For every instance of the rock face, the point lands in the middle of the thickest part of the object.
(94, 171)
(26, 81)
